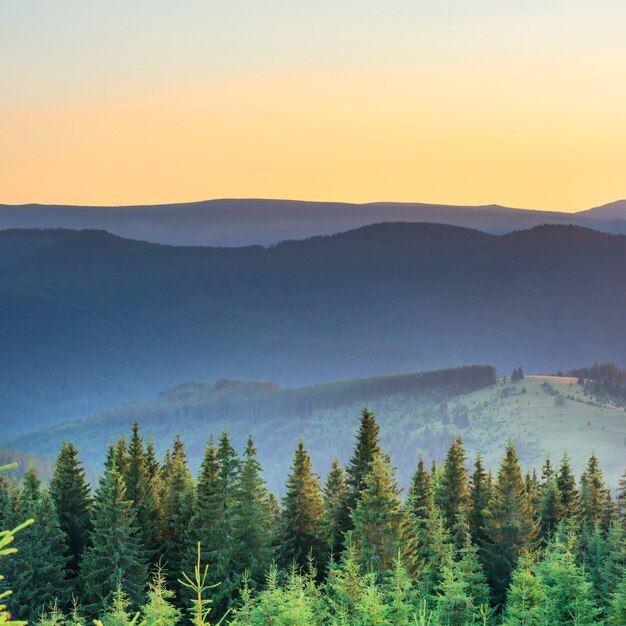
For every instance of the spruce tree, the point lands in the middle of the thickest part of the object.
(142, 491)
(366, 448)
(568, 593)
(113, 561)
(617, 608)
(434, 553)
(479, 495)
(302, 527)
(159, 609)
(510, 524)
(176, 508)
(72, 498)
(566, 483)
(252, 532)
(455, 606)
(38, 577)
(452, 495)
(593, 496)
(550, 508)
(334, 493)
(620, 501)
(525, 596)
(420, 496)
(381, 530)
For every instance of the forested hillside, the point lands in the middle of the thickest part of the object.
(542, 415)
(462, 546)
(89, 320)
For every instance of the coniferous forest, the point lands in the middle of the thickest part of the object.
(154, 545)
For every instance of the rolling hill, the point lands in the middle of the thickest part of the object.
(418, 413)
(89, 320)
(239, 222)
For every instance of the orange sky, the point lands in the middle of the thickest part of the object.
(539, 124)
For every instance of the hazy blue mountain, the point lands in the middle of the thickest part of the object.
(89, 320)
(238, 222)
(614, 211)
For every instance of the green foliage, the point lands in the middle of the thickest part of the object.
(334, 493)
(72, 498)
(452, 493)
(302, 528)
(159, 609)
(510, 524)
(381, 529)
(113, 562)
(568, 593)
(38, 579)
(365, 450)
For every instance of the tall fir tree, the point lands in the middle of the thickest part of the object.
(113, 561)
(381, 527)
(302, 525)
(620, 501)
(334, 493)
(593, 496)
(568, 593)
(569, 496)
(142, 491)
(510, 524)
(252, 532)
(525, 596)
(177, 495)
(479, 495)
(550, 508)
(38, 577)
(365, 450)
(420, 496)
(72, 498)
(452, 495)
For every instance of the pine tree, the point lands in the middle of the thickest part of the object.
(525, 596)
(302, 527)
(366, 448)
(568, 594)
(176, 508)
(379, 520)
(420, 496)
(141, 490)
(617, 609)
(434, 552)
(159, 609)
(454, 604)
(550, 508)
(452, 495)
(118, 612)
(620, 502)
(566, 483)
(252, 533)
(479, 496)
(547, 471)
(510, 525)
(334, 493)
(593, 496)
(38, 578)
(113, 560)
(72, 498)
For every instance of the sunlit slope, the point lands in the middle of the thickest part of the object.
(418, 414)
(544, 414)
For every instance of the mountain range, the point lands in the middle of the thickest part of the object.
(239, 222)
(90, 320)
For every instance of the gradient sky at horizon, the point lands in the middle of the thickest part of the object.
(458, 102)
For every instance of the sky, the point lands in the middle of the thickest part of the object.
(520, 103)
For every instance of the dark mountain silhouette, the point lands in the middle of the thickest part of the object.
(238, 222)
(89, 320)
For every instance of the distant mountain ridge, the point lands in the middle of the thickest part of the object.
(89, 320)
(240, 222)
